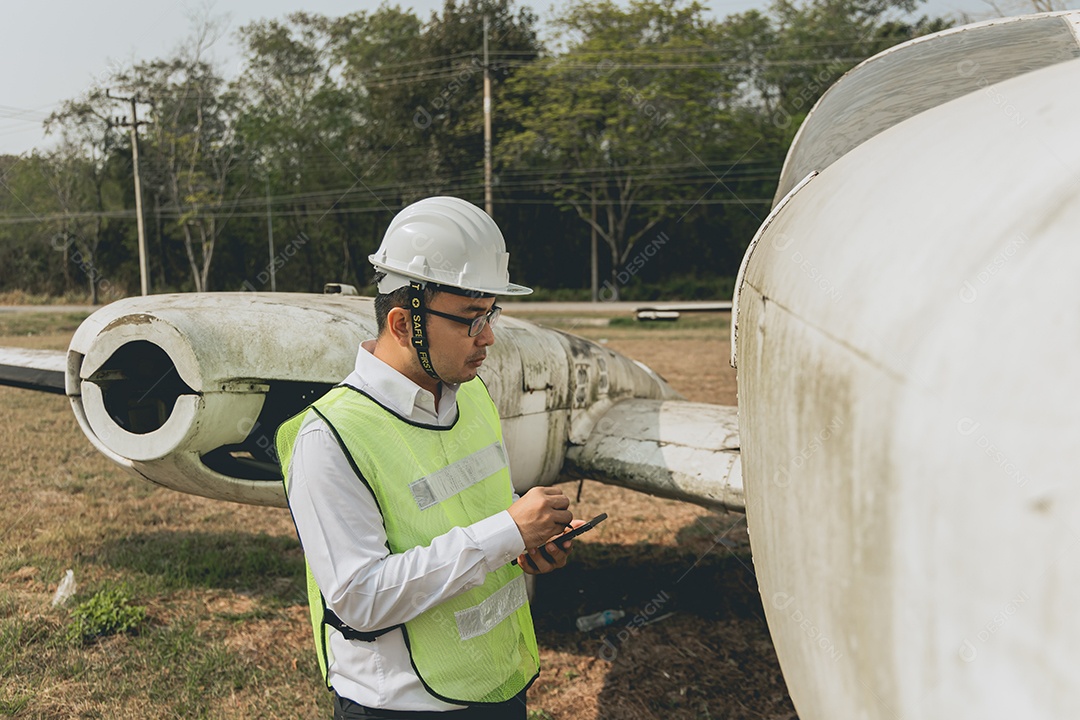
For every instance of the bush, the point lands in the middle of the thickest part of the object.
(107, 613)
(684, 287)
(671, 289)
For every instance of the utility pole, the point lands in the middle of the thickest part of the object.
(144, 266)
(595, 268)
(489, 205)
(270, 232)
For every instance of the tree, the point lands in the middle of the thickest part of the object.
(287, 94)
(304, 125)
(191, 145)
(76, 170)
(809, 46)
(674, 125)
(376, 109)
(626, 117)
(421, 89)
(29, 260)
(454, 96)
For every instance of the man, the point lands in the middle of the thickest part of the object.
(399, 487)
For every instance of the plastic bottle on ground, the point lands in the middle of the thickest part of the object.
(585, 623)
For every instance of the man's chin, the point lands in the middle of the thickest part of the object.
(466, 374)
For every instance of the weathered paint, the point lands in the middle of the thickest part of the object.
(681, 450)
(232, 352)
(907, 389)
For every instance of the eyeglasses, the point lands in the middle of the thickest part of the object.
(477, 324)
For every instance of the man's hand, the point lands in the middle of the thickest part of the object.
(552, 556)
(540, 514)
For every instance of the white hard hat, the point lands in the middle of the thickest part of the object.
(448, 241)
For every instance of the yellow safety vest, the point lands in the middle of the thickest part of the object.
(477, 647)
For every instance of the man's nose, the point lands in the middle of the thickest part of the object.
(486, 336)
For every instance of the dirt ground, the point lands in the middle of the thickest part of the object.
(693, 642)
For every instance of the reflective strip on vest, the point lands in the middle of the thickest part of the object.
(447, 482)
(481, 618)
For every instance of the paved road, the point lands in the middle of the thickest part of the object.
(622, 306)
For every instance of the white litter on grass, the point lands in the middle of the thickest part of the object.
(65, 590)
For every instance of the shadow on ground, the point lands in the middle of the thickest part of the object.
(256, 563)
(693, 642)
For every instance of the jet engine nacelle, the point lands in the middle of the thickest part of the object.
(188, 390)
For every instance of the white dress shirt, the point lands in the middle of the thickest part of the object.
(345, 544)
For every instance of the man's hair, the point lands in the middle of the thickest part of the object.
(397, 299)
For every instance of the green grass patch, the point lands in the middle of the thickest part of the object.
(686, 321)
(33, 323)
(625, 325)
(107, 612)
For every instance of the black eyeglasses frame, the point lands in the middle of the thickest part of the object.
(476, 324)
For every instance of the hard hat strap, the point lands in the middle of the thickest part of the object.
(419, 329)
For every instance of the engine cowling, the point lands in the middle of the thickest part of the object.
(188, 390)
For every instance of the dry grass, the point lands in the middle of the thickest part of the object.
(227, 634)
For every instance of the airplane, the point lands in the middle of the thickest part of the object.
(906, 395)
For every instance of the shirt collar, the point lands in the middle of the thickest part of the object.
(397, 392)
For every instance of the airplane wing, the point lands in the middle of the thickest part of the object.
(33, 369)
(669, 448)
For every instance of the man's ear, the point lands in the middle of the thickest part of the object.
(398, 325)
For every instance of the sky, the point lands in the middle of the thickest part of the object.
(54, 50)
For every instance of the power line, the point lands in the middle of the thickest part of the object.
(378, 208)
(512, 180)
(9, 112)
(342, 204)
(381, 82)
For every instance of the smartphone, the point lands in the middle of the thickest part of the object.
(570, 535)
(579, 529)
